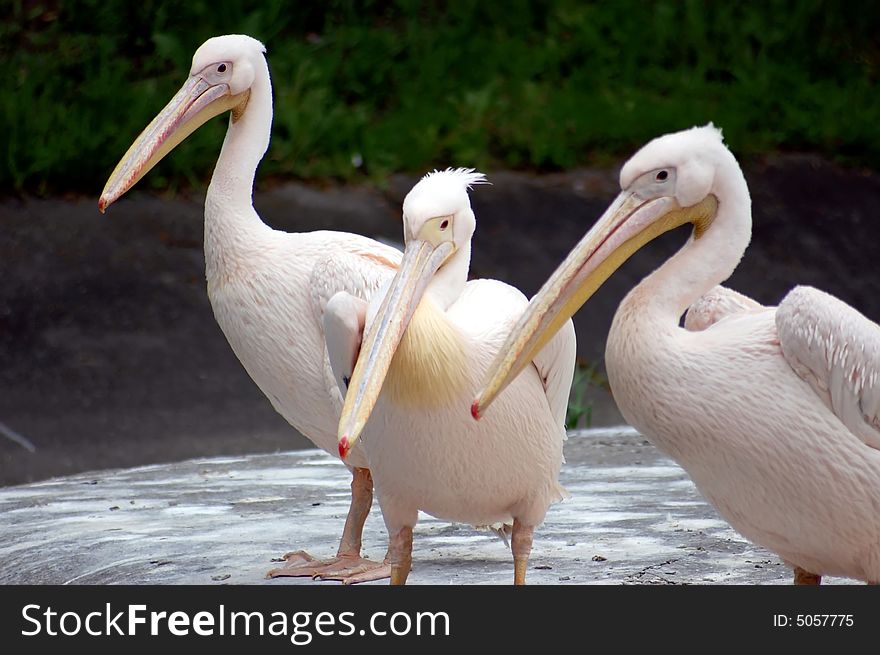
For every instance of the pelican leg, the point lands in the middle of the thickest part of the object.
(521, 545)
(400, 555)
(348, 561)
(804, 577)
(361, 502)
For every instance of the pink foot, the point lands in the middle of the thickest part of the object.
(300, 564)
(296, 559)
(362, 570)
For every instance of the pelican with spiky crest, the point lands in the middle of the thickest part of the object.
(774, 412)
(411, 359)
(268, 289)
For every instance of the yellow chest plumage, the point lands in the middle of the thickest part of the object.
(429, 368)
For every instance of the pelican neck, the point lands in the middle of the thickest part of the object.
(230, 220)
(704, 262)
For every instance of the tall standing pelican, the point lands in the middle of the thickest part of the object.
(773, 412)
(268, 288)
(428, 341)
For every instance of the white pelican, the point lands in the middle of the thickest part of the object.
(268, 288)
(773, 412)
(429, 340)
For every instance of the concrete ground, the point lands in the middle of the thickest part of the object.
(633, 517)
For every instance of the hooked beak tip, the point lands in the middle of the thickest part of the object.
(102, 204)
(475, 410)
(344, 447)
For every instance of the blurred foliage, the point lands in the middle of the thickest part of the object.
(367, 88)
(587, 378)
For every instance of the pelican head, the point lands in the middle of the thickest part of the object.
(222, 73)
(438, 224)
(669, 182)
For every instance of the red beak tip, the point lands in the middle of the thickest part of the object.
(475, 410)
(102, 205)
(343, 447)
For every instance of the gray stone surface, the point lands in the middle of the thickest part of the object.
(633, 518)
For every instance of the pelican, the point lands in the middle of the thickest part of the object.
(428, 340)
(268, 289)
(773, 412)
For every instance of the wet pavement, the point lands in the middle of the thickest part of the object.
(633, 517)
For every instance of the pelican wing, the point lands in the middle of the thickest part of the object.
(836, 350)
(555, 363)
(502, 306)
(356, 270)
(344, 319)
(353, 268)
(718, 304)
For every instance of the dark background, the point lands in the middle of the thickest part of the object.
(109, 355)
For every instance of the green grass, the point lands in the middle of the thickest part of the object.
(579, 412)
(408, 86)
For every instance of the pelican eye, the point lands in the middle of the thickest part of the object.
(221, 68)
(444, 224)
(661, 176)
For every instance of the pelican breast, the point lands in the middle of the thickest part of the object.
(430, 366)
